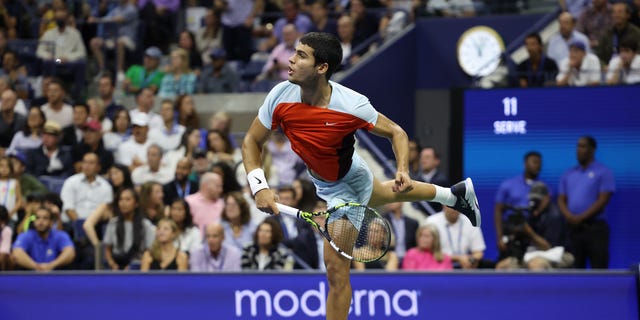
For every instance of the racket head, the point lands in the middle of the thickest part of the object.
(358, 232)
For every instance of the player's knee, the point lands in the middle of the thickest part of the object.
(338, 274)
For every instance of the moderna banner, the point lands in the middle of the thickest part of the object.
(457, 295)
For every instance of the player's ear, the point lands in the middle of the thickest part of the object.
(322, 68)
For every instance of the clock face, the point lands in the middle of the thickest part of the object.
(479, 50)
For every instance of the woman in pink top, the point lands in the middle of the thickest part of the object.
(427, 255)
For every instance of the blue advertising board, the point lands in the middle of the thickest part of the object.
(501, 125)
(456, 295)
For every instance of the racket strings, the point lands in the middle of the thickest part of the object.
(363, 231)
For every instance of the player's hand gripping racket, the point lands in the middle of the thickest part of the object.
(364, 236)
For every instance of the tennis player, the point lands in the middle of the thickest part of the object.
(320, 118)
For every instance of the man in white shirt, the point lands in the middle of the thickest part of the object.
(56, 109)
(624, 68)
(83, 192)
(459, 239)
(580, 68)
(145, 101)
(133, 152)
(169, 136)
(63, 51)
(153, 170)
(558, 47)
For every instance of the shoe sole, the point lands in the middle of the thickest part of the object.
(470, 194)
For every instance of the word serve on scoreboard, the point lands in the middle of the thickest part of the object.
(510, 107)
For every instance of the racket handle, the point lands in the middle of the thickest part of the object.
(287, 209)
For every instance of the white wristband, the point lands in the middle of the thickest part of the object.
(257, 180)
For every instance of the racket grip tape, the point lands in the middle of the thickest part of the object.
(288, 210)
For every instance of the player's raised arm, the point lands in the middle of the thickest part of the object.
(400, 142)
(252, 145)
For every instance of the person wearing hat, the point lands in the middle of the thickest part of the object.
(50, 159)
(133, 152)
(147, 75)
(581, 68)
(218, 76)
(92, 142)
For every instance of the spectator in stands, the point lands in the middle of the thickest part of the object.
(625, 67)
(28, 183)
(284, 162)
(346, 34)
(291, 16)
(64, 53)
(236, 221)
(10, 121)
(72, 134)
(11, 192)
(609, 44)
(580, 69)
(306, 198)
(163, 254)
(120, 132)
(207, 204)
(201, 164)
(189, 144)
(187, 115)
(153, 170)
(414, 159)
(119, 177)
(583, 194)
(170, 134)
(147, 75)
(187, 41)
(105, 96)
(458, 238)
(49, 200)
(215, 254)
(298, 235)
(266, 251)
(122, 21)
(145, 101)
(181, 186)
(151, 201)
(6, 236)
(160, 19)
(133, 152)
(427, 255)
(431, 173)
(375, 244)
(538, 70)
(189, 236)
(219, 148)
(229, 181)
(277, 66)
(56, 108)
(237, 24)
(558, 47)
(320, 18)
(451, 8)
(30, 137)
(594, 21)
(222, 122)
(366, 22)
(20, 106)
(179, 79)
(40, 95)
(43, 248)
(404, 229)
(128, 234)
(209, 37)
(218, 76)
(573, 7)
(83, 192)
(50, 160)
(92, 143)
(16, 73)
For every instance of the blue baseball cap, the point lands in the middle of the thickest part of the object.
(578, 45)
(153, 52)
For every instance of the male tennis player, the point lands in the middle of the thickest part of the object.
(320, 118)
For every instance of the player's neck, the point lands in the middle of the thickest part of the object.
(317, 95)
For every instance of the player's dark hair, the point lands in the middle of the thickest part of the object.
(591, 141)
(326, 49)
(532, 153)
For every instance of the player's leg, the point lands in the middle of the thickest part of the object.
(338, 268)
(460, 196)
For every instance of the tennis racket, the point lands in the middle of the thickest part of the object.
(355, 231)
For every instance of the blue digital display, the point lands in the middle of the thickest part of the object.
(501, 125)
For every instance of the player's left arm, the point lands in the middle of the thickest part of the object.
(385, 127)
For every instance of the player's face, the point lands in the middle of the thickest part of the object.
(302, 69)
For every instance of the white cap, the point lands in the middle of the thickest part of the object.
(140, 119)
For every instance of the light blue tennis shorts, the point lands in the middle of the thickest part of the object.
(355, 186)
